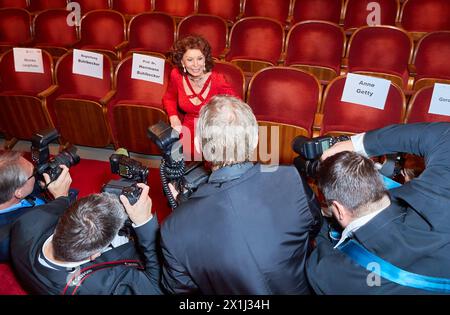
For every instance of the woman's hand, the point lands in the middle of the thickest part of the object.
(175, 123)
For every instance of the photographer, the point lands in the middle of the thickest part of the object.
(245, 231)
(17, 181)
(391, 243)
(77, 249)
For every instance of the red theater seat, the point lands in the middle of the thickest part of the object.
(213, 28)
(419, 106)
(384, 51)
(347, 118)
(103, 31)
(25, 98)
(431, 62)
(151, 32)
(420, 17)
(229, 10)
(324, 10)
(52, 33)
(131, 8)
(233, 75)
(278, 10)
(81, 103)
(40, 5)
(287, 99)
(15, 28)
(255, 43)
(91, 5)
(136, 106)
(23, 4)
(178, 9)
(356, 13)
(317, 47)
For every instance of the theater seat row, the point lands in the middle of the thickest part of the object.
(117, 109)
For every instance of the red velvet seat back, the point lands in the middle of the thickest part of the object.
(315, 43)
(39, 5)
(233, 75)
(380, 49)
(356, 12)
(213, 28)
(33, 83)
(15, 26)
(419, 107)
(23, 4)
(341, 116)
(176, 8)
(432, 56)
(103, 27)
(226, 9)
(139, 90)
(425, 16)
(256, 38)
(132, 7)
(51, 27)
(284, 95)
(326, 10)
(278, 10)
(152, 32)
(91, 5)
(76, 84)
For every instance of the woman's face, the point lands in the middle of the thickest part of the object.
(194, 62)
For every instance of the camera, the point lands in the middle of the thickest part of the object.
(186, 177)
(310, 151)
(128, 168)
(131, 171)
(40, 155)
(125, 187)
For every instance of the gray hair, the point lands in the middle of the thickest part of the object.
(227, 130)
(88, 226)
(12, 175)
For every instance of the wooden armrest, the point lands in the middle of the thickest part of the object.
(282, 58)
(121, 46)
(48, 92)
(412, 70)
(224, 53)
(105, 99)
(318, 119)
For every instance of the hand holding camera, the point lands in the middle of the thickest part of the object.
(141, 211)
(59, 187)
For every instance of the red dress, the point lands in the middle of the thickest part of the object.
(176, 97)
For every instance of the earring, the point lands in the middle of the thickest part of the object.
(204, 69)
(184, 69)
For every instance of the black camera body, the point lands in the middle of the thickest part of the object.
(128, 168)
(310, 151)
(131, 171)
(125, 187)
(40, 155)
(186, 178)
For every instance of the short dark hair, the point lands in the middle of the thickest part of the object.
(87, 227)
(352, 180)
(12, 175)
(192, 42)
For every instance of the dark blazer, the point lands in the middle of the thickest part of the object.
(32, 229)
(243, 232)
(412, 234)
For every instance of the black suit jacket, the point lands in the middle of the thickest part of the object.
(412, 234)
(244, 232)
(32, 229)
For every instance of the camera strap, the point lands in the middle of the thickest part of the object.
(79, 277)
(365, 258)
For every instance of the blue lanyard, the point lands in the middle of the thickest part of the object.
(392, 273)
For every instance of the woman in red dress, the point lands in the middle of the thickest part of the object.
(192, 84)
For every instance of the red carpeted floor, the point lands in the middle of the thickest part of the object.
(88, 177)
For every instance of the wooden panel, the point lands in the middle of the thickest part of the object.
(132, 122)
(283, 135)
(82, 122)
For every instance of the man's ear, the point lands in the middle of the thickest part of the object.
(338, 210)
(19, 193)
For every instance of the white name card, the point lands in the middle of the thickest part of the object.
(87, 63)
(365, 90)
(148, 68)
(28, 60)
(440, 101)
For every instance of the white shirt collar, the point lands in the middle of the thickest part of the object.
(356, 224)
